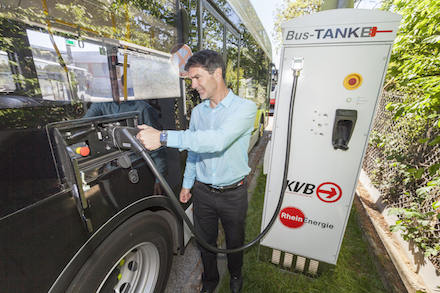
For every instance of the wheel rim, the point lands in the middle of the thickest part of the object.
(136, 272)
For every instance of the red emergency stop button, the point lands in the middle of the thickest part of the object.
(353, 81)
(83, 151)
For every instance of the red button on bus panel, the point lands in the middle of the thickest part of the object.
(85, 151)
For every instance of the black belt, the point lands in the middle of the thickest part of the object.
(218, 189)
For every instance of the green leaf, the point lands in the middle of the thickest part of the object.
(396, 211)
(433, 169)
(435, 141)
(423, 140)
(390, 107)
(399, 112)
(425, 223)
(430, 251)
(434, 182)
(429, 214)
(419, 173)
(397, 228)
(432, 39)
(436, 205)
(423, 190)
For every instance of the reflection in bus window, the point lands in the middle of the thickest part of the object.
(232, 74)
(213, 33)
(82, 60)
(254, 65)
(6, 81)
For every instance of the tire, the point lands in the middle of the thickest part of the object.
(135, 258)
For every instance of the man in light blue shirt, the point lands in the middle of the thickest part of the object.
(217, 165)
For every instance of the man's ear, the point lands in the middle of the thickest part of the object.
(218, 74)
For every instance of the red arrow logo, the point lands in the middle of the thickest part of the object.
(330, 193)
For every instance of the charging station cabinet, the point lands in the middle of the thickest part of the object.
(342, 56)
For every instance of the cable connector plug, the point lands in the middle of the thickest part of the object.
(123, 137)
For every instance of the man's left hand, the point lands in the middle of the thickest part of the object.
(149, 137)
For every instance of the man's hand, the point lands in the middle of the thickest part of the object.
(185, 195)
(149, 137)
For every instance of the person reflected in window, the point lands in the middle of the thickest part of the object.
(147, 115)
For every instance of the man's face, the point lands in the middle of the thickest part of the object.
(203, 82)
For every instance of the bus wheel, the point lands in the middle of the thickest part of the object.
(136, 257)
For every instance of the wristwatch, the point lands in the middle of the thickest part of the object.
(163, 137)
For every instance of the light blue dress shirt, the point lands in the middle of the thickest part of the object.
(217, 141)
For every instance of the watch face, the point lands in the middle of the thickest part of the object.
(163, 137)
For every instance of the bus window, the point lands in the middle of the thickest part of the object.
(212, 33)
(164, 83)
(254, 65)
(75, 81)
(232, 72)
(6, 81)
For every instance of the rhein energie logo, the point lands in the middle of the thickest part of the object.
(294, 218)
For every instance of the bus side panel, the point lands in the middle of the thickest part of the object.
(41, 227)
(38, 242)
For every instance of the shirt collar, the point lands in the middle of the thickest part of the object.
(226, 102)
(228, 99)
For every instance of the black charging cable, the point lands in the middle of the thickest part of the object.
(127, 135)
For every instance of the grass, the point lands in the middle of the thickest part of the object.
(354, 272)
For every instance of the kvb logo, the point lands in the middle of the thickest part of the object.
(300, 188)
(327, 191)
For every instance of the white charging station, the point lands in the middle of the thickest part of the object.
(341, 56)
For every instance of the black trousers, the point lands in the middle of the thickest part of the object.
(230, 207)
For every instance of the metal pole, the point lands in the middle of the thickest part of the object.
(199, 23)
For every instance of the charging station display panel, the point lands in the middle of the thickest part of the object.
(335, 101)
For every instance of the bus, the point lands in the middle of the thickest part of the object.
(78, 213)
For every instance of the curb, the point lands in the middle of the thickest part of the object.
(392, 265)
(382, 260)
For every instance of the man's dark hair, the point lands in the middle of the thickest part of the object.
(208, 60)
